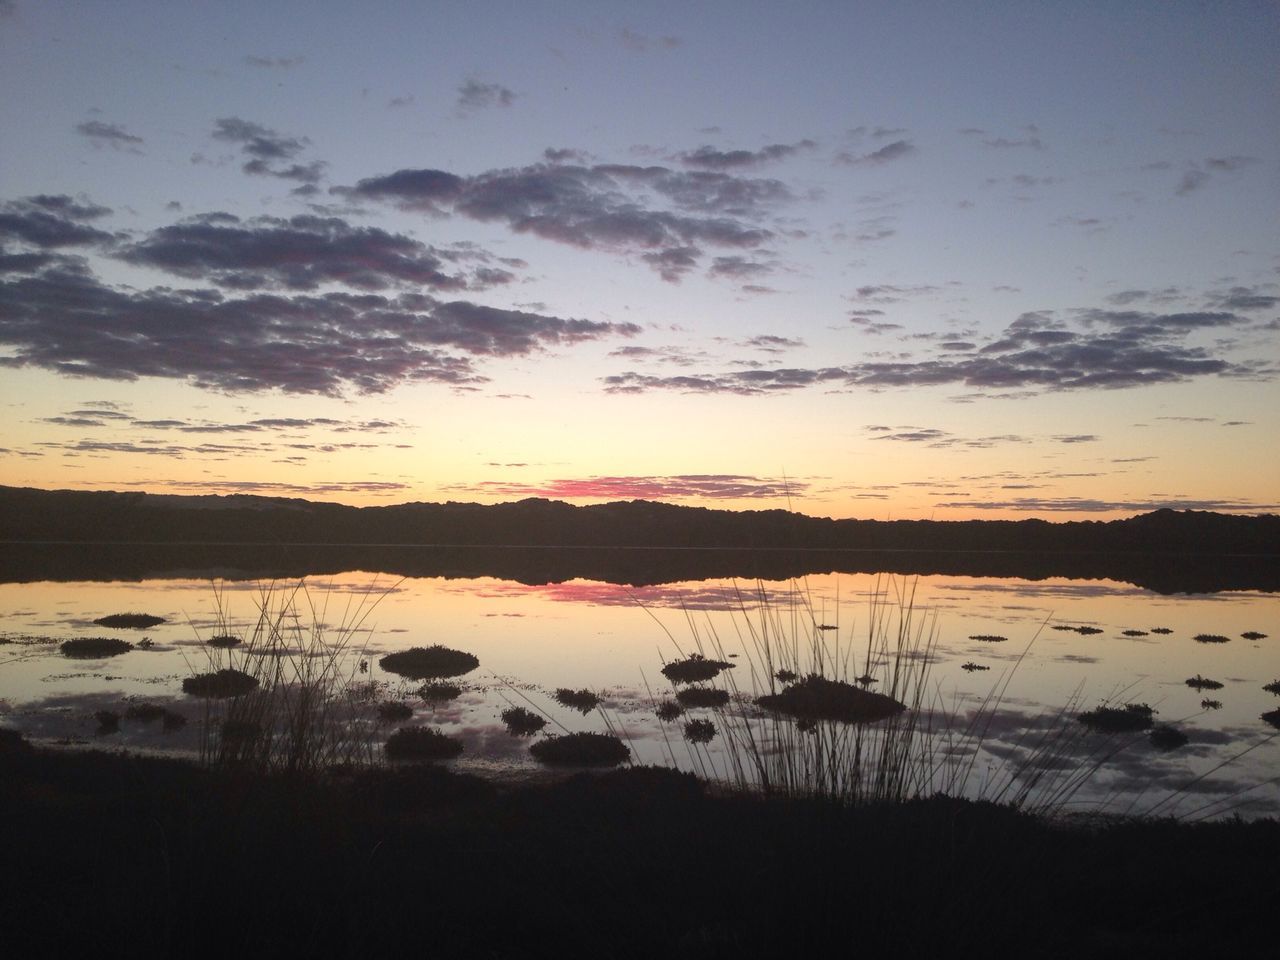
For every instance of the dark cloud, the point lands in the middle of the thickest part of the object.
(886, 154)
(609, 207)
(889, 293)
(1084, 505)
(268, 151)
(709, 158)
(65, 320)
(714, 486)
(109, 133)
(299, 253)
(641, 42)
(1191, 180)
(1076, 437)
(1035, 352)
(475, 95)
(273, 63)
(50, 221)
(771, 343)
(1031, 140)
(738, 268)
(1244, 298)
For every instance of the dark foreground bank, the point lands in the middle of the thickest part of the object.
(109, 854)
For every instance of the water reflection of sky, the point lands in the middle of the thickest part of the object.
(614, 639)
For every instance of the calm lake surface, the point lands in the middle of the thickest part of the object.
(614, 639)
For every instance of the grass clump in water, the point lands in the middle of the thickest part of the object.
(699, 731)
(129, 621)
(393, 711)
(1163, 631)
(1165, 737)
(669, 710)
(1210, 704)
(1253, 635)
(1272, 717)
(584, 701)
(422, 743)
(971, 666)
(439, 692)
(694, 669)
(221, 684)
(581, 749)
(1203, 683)
(1273, 687)
(426, 663)
(224, 640)
(150, 712)
(988, 638)
(1131, 718)
(1133, 633)
(817, 698)
(1211, 638)
(702, 697)
(92, 648)
(521, 722)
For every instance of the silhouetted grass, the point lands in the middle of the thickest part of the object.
(584, 701)
(220, 684)
(669, 710)
(1165, 737)
(439, 692)
(1253, 635)
(988, 638)
(521, 722)
(427, 663)
(581, 749)
(1130, 718)
(223, 640)
(694, 668)
(817, 698)
(150, 712)
(702, 697)
(394, 711)
(1272, 687)
(422, 743)
(699, 731)
(126, 621)
(92, 648)
(970, 667)
(1211, 638)
(1203, 683)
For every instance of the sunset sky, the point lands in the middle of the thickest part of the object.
(881, 260)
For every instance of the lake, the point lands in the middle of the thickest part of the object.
(531, 639)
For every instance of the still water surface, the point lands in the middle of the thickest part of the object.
(614, 639)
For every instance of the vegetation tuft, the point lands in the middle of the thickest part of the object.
(1203, 683)
(581, 749)
(1207, 704)
(692, 698)
(1253, 635)
(694, 669)
(1133, 633)
(521, 722)
(221, 684)
(439, 692)
(427, 663)
(699, 731)
(988, 638)
(150, 712)
(1211, 638)
(1163, 631)
(817, 698)
(129, 621)
(1165, 737)
(224, 640)
(1272, 687)
(1272, 717)
(669, 710)
(971, 666)
(422, 743)
(584, 701)
(394, 711)
(92, 648)
(1131, 718)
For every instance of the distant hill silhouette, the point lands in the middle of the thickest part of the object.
(1168, 550)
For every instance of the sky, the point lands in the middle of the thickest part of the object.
(876, 260)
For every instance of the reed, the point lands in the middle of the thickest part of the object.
(896, 739)
(308, 710)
